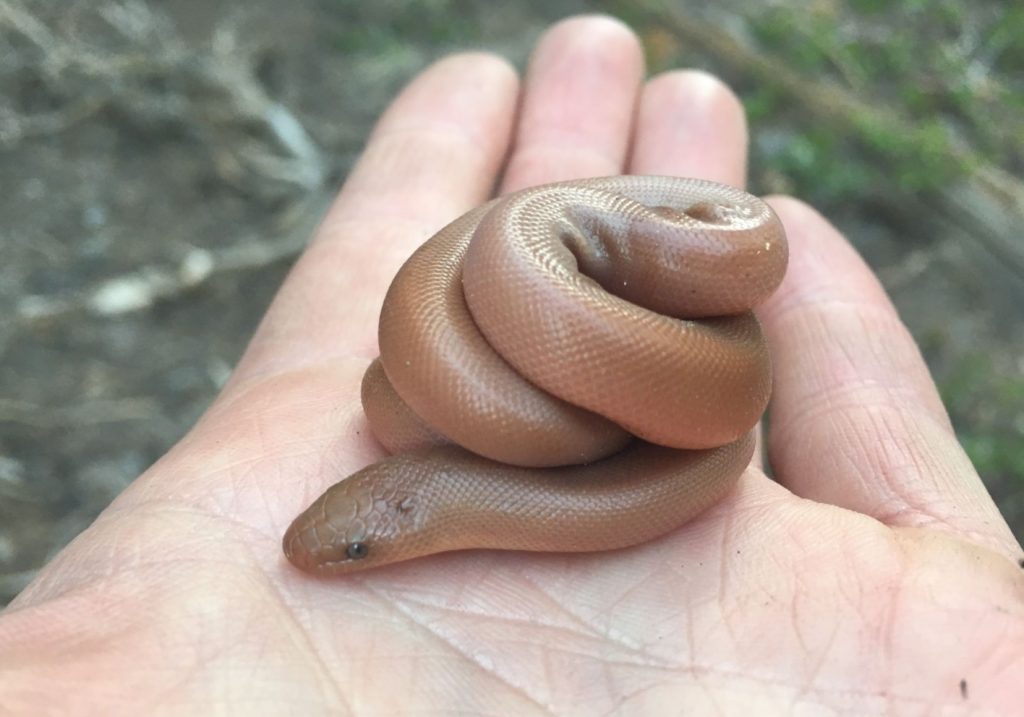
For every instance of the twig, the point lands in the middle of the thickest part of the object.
(16, 128)
(153, 74)
(141, 288)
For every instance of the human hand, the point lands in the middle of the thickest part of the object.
(875, 576)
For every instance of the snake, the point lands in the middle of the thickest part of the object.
(572, 367)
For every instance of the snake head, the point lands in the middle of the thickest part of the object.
(369, 519)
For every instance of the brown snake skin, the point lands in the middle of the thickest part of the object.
(572, 367)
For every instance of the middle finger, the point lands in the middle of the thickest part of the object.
(578, 103)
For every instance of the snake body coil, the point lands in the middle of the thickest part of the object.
(572, 367)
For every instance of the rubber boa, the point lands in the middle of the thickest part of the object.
(571, 367)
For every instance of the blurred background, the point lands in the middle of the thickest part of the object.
(164, 162)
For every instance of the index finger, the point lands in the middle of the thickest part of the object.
(434, 154)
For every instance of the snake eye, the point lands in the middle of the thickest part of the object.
(357, 551)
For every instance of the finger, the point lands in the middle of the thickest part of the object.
(690, 124)
(434, 154)
(578, 105)
(856, 420)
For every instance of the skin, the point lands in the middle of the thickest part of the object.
(876, 575)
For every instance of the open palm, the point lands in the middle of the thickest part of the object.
(875, 576)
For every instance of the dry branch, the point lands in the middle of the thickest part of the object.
(135, 60)
(139, 63)
(141, 288)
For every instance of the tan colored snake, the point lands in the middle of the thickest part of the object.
(572, 367)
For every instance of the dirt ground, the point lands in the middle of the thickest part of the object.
(161, 168)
